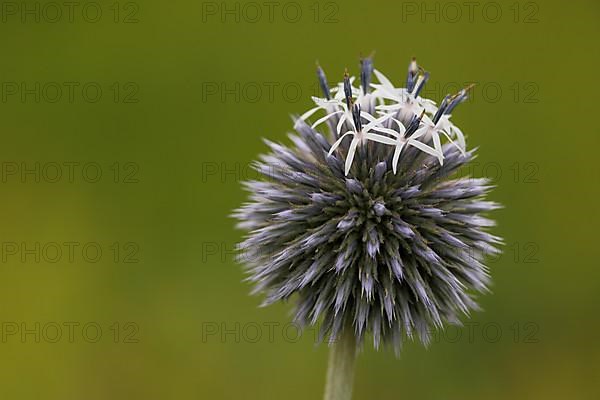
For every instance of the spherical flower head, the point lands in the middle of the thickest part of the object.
(369, 227)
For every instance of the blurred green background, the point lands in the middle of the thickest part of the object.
(168, 102)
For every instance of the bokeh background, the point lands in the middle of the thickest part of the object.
(126, 128)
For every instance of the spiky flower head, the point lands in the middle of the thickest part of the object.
(369, 227)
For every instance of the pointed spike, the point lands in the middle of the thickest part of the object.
(366, 71)
(413, 68)
(347, 90)
(323, 82)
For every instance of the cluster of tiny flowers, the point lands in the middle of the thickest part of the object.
(376, 234)
(394, 116)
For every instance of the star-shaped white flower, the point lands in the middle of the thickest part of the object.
(408, 104)
(431, 130)
(449, 130)
(337, 105)
(402, 141)
(361, 134)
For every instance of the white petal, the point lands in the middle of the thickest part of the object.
(323, 103)
(438, 146)
(309, 113)
(383, 79)
(386, 130)
(367, 116)
(401, 127)
(399, 147)
(339, 141)
(423, 147)
(341, 122)
(394, 96)
(381, 139)
(377, 121)
(351, 152)
(390, 107)
(460, 137)
(454, 143)
(325, 118)
(427, 121)
(420, 132)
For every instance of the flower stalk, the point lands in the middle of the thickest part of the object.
(340, 369)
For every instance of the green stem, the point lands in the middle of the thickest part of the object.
(340, 371)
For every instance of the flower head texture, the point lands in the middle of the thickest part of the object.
(369, 226)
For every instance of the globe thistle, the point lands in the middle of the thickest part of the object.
(369, 227)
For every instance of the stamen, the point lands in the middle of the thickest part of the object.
(323, 82)
(366, 70)
(413, 68)
(458, 98)
(348, 90)
(441, 110)
(414, 124)
(356, 117)
(423, 78)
